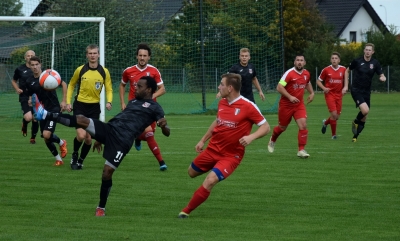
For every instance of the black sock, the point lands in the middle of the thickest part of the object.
(55, 139)
(104, 192)
(85, 150)
(35, 129)
(360, 127)
(137, 142)
(25, 123)
(52, 148)
(161, 163)
(360, 116)
(77, 145)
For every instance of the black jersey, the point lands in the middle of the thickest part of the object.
(363, 73)
(133, 120)
(248, 73)
(21, 74)
(47, 98)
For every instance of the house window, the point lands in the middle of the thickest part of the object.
(353, 36)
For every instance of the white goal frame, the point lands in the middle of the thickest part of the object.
(99, 20)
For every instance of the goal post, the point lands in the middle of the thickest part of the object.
(101, 39)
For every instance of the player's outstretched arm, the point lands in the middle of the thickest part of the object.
(164, 127)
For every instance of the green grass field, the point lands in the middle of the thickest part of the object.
(344, 191)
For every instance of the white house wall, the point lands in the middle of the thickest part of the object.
(360, 23)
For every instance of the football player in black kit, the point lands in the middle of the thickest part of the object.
(364, 69)
(21, 74)
(50, 101)
(249, 76)
(119, 133)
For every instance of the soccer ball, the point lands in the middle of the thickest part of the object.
(50, 79)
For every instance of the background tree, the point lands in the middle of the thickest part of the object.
(128, 23)
(303, 25)
(10, 8)
(387, 51)
(228, 25)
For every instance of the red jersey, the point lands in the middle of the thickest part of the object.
(294, 82)
(234, 120)
(134, 73)
(334, 79)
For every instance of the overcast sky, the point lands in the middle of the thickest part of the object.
(392, 13)
(391, 16)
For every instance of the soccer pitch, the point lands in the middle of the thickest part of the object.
(344, 191)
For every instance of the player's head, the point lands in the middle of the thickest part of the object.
(28, 55)
(92, 53)
(370, 45)
(145, 87)
(143, 53)
(36, 65)
(335, 59)
(244, 56)
(143, 46)
(230, 83)
(299, 62)
(369, 50)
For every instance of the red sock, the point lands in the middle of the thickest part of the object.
(302, 138)
(276, 133)
(151, 142)
(327, 121)
(333, 127)
(199, 196)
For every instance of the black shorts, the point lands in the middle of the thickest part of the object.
(23, 97)
(25, 107)
(47, 125)
(361, 97)
(115, 149)
(90, 110)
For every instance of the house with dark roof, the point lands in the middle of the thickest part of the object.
(351, 19)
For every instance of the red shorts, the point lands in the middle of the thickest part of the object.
(334, 103)
(143, 135)
(285, 113)
(209, 159)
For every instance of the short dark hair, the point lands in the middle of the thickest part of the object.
(298, 55)
(35, 58)
(143, 46)
(151, 83)
(233, 79)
